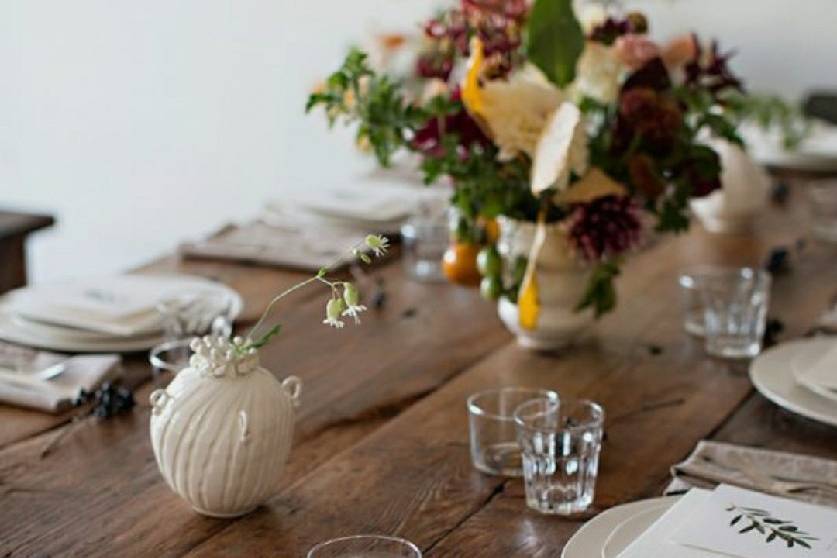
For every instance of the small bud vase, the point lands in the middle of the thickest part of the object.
(222, 430)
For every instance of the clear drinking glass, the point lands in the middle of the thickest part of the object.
(691, 300)
(424, 238)
(494, 446)
(561, 446)
(735, 311)
(822, 201)
(184, 318)
(365, 546)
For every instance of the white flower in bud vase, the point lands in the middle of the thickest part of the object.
(378, 244)
(351, 297)
(334, 309)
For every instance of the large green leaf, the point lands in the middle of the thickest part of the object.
(554, 39)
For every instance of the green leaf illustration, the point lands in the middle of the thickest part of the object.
(774, 528)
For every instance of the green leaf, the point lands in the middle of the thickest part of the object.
(554, 40)
(601, 292)
(735, 519)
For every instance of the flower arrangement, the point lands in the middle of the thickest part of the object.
(536, 116)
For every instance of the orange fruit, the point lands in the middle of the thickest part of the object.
(459, 264)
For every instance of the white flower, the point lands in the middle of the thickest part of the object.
(562, 150)
(351, 297)
(513, 111)
(599, 73)
(377, 243)
(334, 309)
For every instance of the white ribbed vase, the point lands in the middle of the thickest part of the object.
(562, 280)
(222, 429)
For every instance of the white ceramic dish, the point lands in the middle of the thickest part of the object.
(772, 375)
(631, 529)
(803, 362)
(17, 329)
(603, 535)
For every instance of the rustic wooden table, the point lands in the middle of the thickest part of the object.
(382, 438)
(15, 227)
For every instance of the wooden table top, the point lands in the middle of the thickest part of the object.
(14, 223)
(381, 441)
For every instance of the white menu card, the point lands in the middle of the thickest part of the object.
(747, 524)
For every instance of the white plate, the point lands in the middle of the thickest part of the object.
(590, 540)
(772, 375)
(803, 362)
(631, 529)
(15, 329)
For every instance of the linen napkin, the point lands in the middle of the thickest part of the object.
(278, 244)
(57, 394)
(712, 463)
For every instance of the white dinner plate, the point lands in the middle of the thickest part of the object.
(16, 329)
(594, 538)
(772, 374)
(803, 362)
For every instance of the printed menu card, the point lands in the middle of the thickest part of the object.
(733, 522)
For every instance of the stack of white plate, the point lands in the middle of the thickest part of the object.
(609, 533)
(361, 205)
(109, 314)
(800, 376)
(817, 152)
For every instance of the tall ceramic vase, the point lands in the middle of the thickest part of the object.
(222, 429)
(562, 279)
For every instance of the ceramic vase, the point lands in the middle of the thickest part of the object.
(744, 193)
(562, 280)
(222, 430)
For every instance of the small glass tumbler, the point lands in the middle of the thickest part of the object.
(822, 201)
(494, 446)
(561, 446)
(691, 301)
(365, 546)
(424, 238)
(735, 304)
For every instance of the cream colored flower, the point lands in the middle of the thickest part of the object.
(561, 150)
(599, 73)
(513, 111)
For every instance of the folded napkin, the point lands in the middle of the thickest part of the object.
(283, 244)
(57, 394)
(713, 463)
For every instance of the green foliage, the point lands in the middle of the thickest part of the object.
(484, 186)
(703, 112)
(554, 40)
(375, 102)
(601, 291)
(770, 111)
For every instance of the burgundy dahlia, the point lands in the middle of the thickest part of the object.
(429, 138)
(604, 227)
(711, 70)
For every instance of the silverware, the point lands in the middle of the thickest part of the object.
(51, 372)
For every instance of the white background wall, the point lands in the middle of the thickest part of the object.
(140, 124)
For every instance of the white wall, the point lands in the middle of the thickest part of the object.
(140, 124)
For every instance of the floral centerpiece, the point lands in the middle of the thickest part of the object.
(580, 137)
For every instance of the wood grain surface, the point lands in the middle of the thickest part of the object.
(382, 439)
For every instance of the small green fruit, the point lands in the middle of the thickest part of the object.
(489, 261)
(491, 287)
